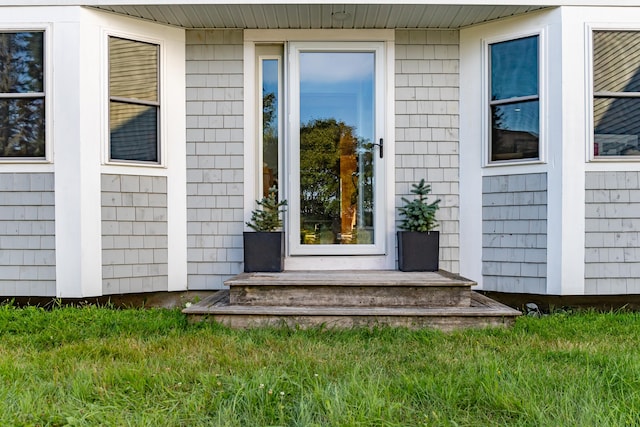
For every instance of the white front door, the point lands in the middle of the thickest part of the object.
(336, 129)
(333, 156)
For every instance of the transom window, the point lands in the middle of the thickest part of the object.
(22, 98)
(616, 93)
(134, 102)
(515, 100)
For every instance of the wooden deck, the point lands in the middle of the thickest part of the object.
(350, 299)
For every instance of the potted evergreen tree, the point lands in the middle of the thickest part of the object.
(418, 242)
(264, 247)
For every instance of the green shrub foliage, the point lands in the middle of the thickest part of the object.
(267, 218)
(417, 214)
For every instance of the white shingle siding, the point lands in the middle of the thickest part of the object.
(215, 137)
(427, 94)
(514, 233)
(27, 234)
(612, 233)
(134, 234)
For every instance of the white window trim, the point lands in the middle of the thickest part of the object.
(260, 127)
(253, 37)
(106, 131)
(542, 99)
(37, 162)
(590, 140)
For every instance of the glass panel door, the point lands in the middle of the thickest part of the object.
(336, 150)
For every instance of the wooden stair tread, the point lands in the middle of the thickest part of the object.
(346, 299)
(480, 306)
(384, 278)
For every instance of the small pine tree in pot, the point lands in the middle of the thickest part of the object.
(418, 242)
(264, 247)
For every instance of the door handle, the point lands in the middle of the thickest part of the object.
(381, 147)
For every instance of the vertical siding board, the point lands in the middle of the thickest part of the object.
(514, 227)
(134, 234)
(27, 234)
(612, 244)
(215, 136)
(427, 95)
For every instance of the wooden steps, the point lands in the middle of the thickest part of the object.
(348, 299)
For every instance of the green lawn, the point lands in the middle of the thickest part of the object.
(97, 366)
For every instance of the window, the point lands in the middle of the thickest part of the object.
(134, 105)
(270, 81)
(616, 93)
(515, 101)
(22, 106)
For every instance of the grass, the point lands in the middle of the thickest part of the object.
(96, 366)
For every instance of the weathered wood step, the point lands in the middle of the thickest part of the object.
(350, 289)
(483, 312)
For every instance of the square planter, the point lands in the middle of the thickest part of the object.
(263, 251)
(418, 251)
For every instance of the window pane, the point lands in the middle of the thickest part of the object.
(514, 68)
(22, 127)
(21, 62)
(134, 132)
(514, 131)
(337, 114)
(269, 124)
(133, 69)
(616, 61)
(617, 126)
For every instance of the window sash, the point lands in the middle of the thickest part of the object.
(513, 142)
(24, 137)
(134, 135)
(615, 111)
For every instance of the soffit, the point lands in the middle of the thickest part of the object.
(318, 16)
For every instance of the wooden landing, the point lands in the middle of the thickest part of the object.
(350, 289)
(352, 299)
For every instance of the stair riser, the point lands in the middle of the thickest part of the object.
(443, 323)
(351, 296)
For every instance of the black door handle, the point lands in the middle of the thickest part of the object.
(381, 147)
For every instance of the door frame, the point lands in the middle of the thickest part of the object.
(387, 259)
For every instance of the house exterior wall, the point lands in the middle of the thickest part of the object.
(489, 225)
(67, 229)
(134, 234)
(514, 232)
(612, 232)
(68, 261)
(427, 94)
(27, 234)
(215, 179)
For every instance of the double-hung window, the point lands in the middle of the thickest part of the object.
(514, 104)
(22, 97)
(134, 101)
(616, 93)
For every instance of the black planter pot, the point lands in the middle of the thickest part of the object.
(263, 251)
(418, 251)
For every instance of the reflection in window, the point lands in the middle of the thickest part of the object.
(134, 101)
(270, 93)
(337, 110)
(22, 107)
(616, 87)
(515, 101)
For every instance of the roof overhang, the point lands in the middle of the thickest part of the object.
(318, 16)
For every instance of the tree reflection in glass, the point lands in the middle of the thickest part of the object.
(336, 133)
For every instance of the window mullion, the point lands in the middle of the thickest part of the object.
(134, 101)
(514, 100)
(604, 94)
(22, 95)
